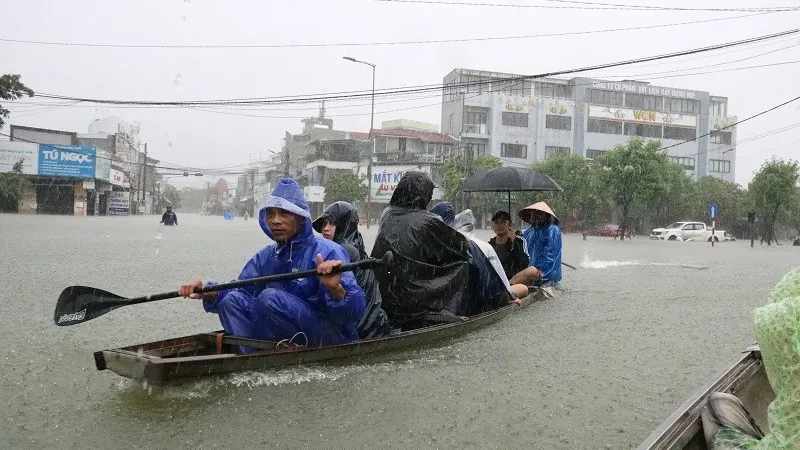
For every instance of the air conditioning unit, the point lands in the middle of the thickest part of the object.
(483, 128)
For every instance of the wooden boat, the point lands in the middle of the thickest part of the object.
(204, 354)
(746, 379)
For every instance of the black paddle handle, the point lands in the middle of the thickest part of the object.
(370, 262)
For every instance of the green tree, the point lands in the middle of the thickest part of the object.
(11, 88)
(728, 196)
(634, 173)
(345, 187)
(578, 177)
(675, 197)
(172, 196)
(794, 212)
(12, 187)
(771, 192)
(454, 172)
(192, 199)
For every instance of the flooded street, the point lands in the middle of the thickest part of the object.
(598, 367)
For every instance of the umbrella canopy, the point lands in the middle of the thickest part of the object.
(509, 179)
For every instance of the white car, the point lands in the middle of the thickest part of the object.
(687, 231)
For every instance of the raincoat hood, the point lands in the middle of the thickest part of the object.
(445, 211)
(414, 190)
(288, 196)
(345, 216)
(465, 221)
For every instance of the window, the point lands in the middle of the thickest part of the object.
(514, 151)
(594, 154)
(686, 162)
(513, 86)
(719, 165)
(644, 130)
(474, 122)
(683, 105)
(604, 126)
(476, 149)
(605, 97)
(679, 133)
(558, 122)
(515, 119)
(652, 103)
(635, 101)
(554, 90)
(551, 150)
(718, 108)
(721, 137)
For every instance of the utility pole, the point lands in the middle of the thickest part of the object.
(144, 180)
(371, 136)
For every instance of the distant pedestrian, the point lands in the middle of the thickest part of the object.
(169, 217)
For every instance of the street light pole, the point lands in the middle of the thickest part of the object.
(371, 136)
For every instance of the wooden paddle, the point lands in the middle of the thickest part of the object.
(78, 304)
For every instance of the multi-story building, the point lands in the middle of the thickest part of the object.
(521, 120)
(400, 145)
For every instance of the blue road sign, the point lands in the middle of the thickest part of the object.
(228, 215)
(713, 211)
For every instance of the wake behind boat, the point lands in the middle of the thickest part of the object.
(205, 354)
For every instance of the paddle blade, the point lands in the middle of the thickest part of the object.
(78, 304)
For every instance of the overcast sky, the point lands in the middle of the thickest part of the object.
(228, 137)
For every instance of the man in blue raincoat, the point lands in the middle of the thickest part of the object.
(315, 311)
(543, 238)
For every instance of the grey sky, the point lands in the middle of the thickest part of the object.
(209, 139)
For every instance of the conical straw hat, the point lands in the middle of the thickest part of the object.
(525, 213)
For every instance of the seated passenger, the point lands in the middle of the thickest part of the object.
(324, 309)
(544, 245)
(465, 223)
(510, 247)
(431, 260)
(339, 223)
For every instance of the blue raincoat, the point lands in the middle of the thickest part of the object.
(282, 310)
(544, 250)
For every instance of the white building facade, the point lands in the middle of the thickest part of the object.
(521, 120)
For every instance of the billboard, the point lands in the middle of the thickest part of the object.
(66, 161)
(652, 117)
(119, 203)
(11, 152)
(385, 179)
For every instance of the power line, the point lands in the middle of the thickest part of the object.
(413, 89)
(733, 124)
(368, 44)
(595, 6)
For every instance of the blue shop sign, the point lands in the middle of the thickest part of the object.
(66, 161)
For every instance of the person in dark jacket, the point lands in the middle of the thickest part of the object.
(169, 217)
(510, 247)
(315, 311)
(431, 259)
(339, 223)
(488, 289)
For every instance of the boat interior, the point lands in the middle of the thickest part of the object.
(747, 380)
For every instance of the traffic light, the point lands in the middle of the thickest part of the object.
(751, 216)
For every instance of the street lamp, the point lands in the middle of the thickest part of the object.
(371, 135)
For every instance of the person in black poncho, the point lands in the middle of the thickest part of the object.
(431, 260)
(339, 223)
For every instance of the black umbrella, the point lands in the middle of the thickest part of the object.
(509, 179)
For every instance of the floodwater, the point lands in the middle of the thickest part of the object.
(599, 367)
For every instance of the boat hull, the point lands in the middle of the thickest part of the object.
(746, 379)
(195, 356)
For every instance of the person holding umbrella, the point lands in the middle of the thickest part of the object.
(543, 238)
